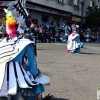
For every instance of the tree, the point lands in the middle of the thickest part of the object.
(93, 17)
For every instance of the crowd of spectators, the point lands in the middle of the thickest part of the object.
(90, 36)
(46, 32)
(53, 32)
(50, 32)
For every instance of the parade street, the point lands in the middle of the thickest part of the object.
(73, 76)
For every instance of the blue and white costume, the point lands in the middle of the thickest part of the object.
(73, 43)
(12, 70)
(13, 75)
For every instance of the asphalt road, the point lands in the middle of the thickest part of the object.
(73, 76)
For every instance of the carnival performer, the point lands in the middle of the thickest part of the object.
(73, 43)
(33, 92)
(13, 75)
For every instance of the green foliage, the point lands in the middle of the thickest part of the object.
(92, 15)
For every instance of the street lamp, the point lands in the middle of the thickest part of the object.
(82, 2)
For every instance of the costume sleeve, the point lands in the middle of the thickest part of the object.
(31, 59)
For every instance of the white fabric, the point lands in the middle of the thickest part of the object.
(4, 60)
(27, 77)
(12, 85)
(3, 91)
(43, 79)
(30, 75)
(71, 44)
(17, 46)
(21, 80)
(2, 73)
(20, 30)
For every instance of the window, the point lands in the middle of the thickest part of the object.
(64, 2)
(59, 0)
(71, 2)
(76, 2)
(92, 3)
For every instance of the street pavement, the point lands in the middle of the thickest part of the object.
(72, 76)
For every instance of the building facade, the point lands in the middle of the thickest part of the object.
(70, 10)
(46, 10)
(54, 9)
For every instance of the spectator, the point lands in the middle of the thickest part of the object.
(32, 28)
(98, 37)
(42, 39)
(88, 33)
(28, 35)
(36, 35)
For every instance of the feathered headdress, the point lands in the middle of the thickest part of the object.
(11, 24)
(16, 18)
